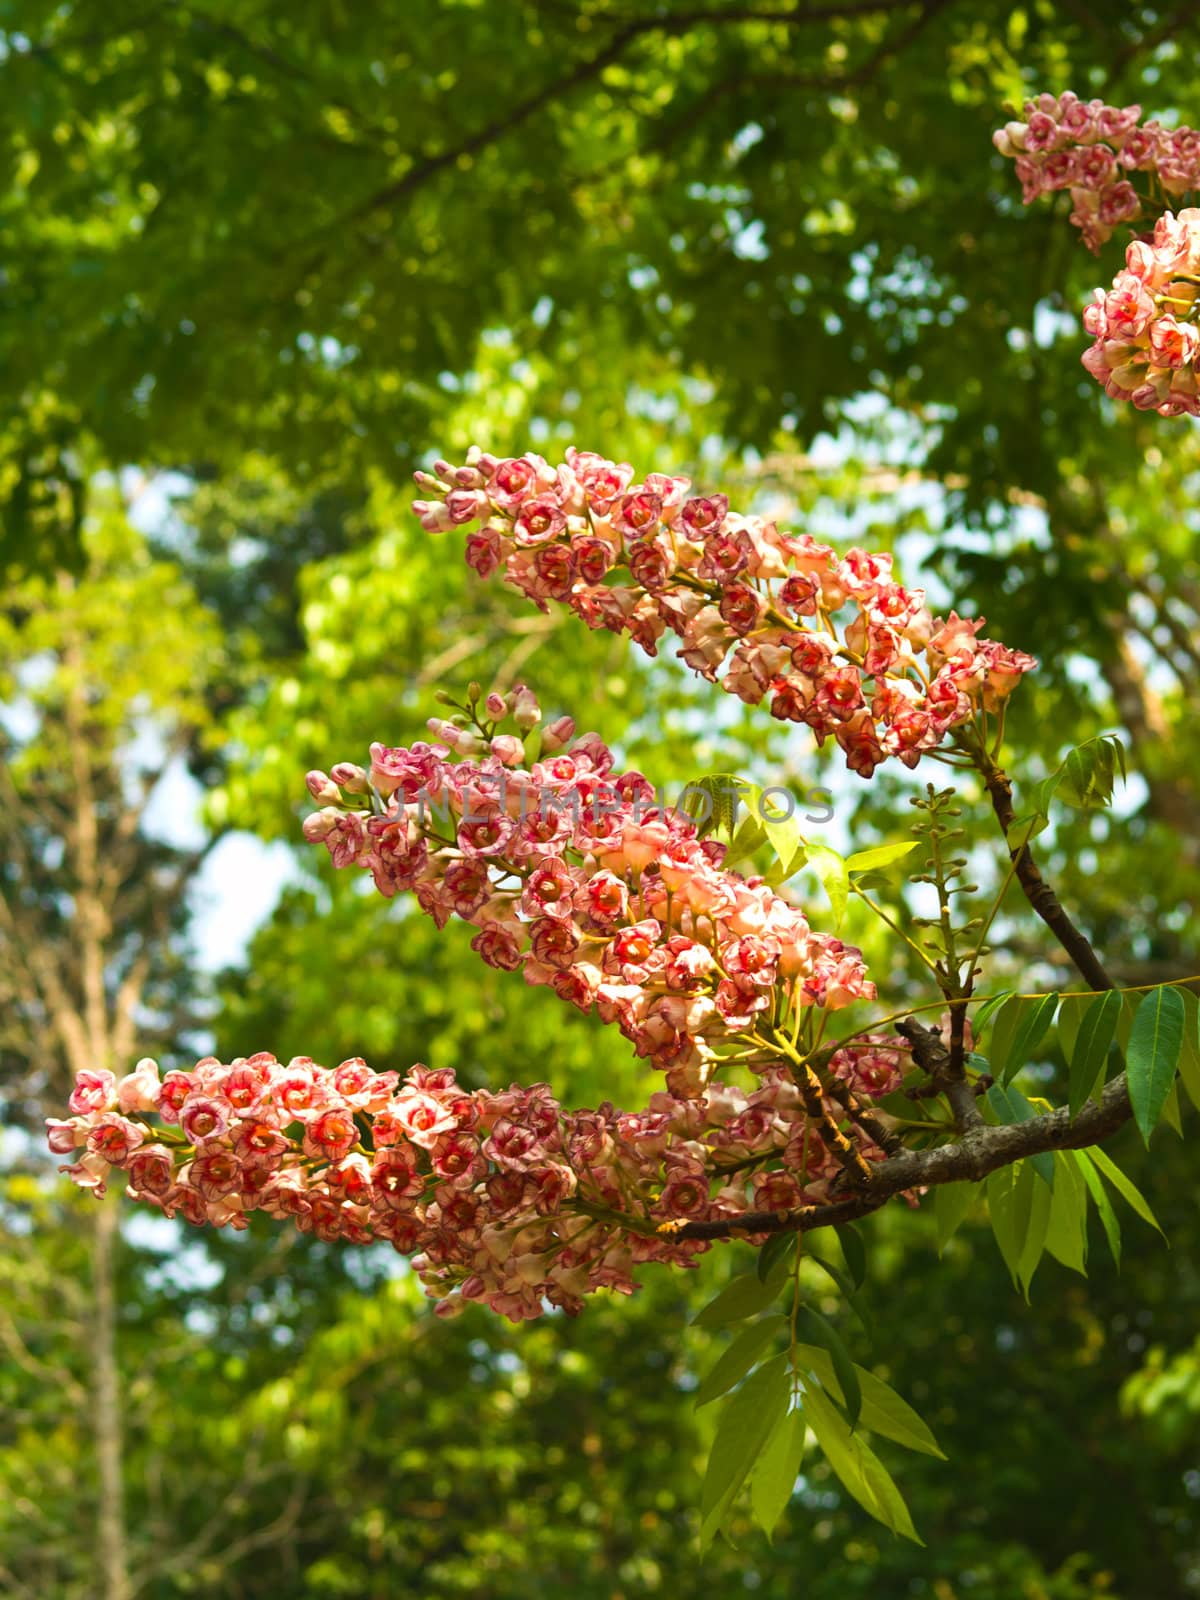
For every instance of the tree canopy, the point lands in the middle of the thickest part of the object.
(263, 261)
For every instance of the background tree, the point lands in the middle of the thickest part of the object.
(282, 255)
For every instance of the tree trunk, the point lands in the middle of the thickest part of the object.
(110, 1518)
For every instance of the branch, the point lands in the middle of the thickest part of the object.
(1149, 40)
(864, 1115)
(53, 1377)
(966, 1160)
(583, 71)
(784, 82)
(1037, 891)
(932, 1056)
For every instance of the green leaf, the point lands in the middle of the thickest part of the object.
(1010, 1204)
(1088, 775)
(1022, 829)
(822, 1332)
(1041, 1200)
(987, 1010)
(855, 1252)
(744, 1297)
(715, 814)
(883, 1410)
(783, 832)
(1189, 1056)
(779, 1247)
(858, 1467)
(1129, 1009)
(734, 1363)
(1066, 1233)
(1070, 1012)
(777, 1470)
(1104, 1206)
(1020, 1027)
(1170, 1113)
(749, 836)
(1085, 779)
(1097, 1029)
(1011, 1107)
(747, 1421)
(952, 1203)
(532, 745)
(875, 860)
(1155, 1043)
(835, 880)
(1124, 1186)
(838, 1274)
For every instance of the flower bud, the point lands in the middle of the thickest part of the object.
(496, 705)
(431, 485)
(322, 788)
(506, 747)
(525, 709)
(461, 740)
(433, 516)
(557, 733)
(63, 1137)
(317, 827)
(138, 1090)
(349, 777)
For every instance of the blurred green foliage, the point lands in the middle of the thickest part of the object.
(270, 258)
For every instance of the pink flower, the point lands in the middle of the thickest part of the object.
(93, 1091)
(1128, 309)
(215, 1173)
(638, 514)
(485, 829)
(115, 1139)
(173, 1092)
(203, 1117)
(64, 1138)
(703, 517)
(257, 1143)
(90, 1173)
(515, 481)
(1095, 167)
(1172, 343)
(150, 1170)
(423, 1118)
(1116, 123)
(139, 1090)
(577, 984)
(497, 946)
(540, 519)
(1042, 132)
(549, 890)
(332, 1134)
(1119, 203)
(606, 898)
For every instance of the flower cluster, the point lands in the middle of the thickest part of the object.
(835, 643)
(1091, 148)
(504, 1198)
(1145, 332)
(586, 881)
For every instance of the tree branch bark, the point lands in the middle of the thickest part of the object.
(980, 1151)
(1037, 891)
